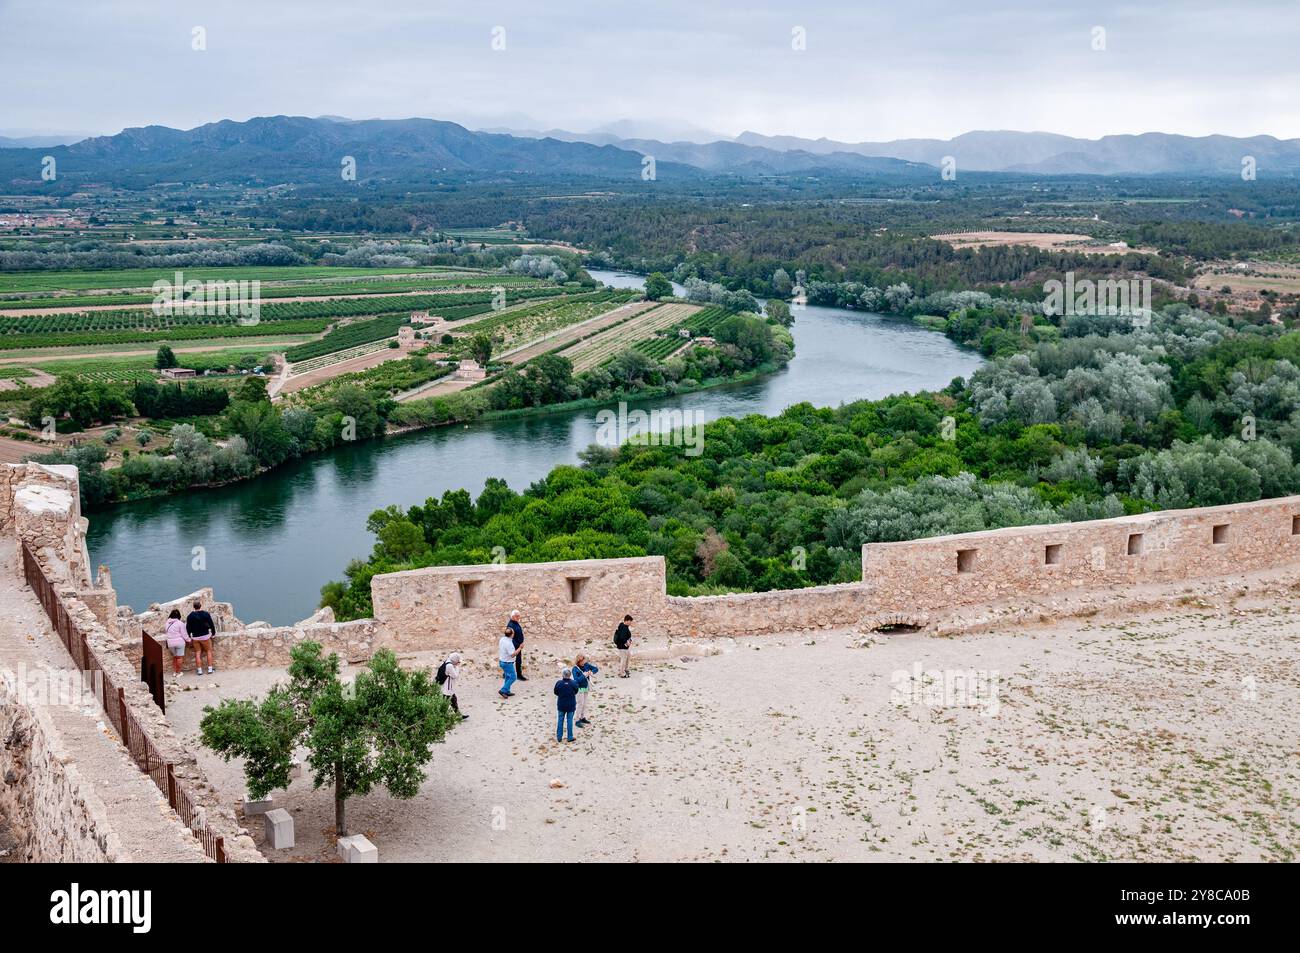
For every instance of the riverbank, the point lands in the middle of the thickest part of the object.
(488, 416)
(307, 517)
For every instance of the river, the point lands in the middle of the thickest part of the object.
(268, 544)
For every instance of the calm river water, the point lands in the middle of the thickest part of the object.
(272, 542)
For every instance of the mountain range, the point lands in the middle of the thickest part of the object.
(276, 150)
(1042, 153)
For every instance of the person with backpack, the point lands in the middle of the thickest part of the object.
(448, 676)
(177, 639)
(566, 700)
(582, 669)
(201, 629)
(623, 642)
(517, 635)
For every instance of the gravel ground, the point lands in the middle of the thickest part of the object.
(1167, 737)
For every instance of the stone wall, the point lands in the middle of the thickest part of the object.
(54, 812)
(45, 513)
(903, 583)
(1153, 548)
(457, 606)
(42, 504)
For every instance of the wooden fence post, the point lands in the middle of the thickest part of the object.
(126, 728)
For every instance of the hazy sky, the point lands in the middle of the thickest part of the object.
(871, 69)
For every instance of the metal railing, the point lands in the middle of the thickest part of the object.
(135, 737)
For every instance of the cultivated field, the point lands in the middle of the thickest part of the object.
(1255, 277)
(1047, 241)
(595, 351)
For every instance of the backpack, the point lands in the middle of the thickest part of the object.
(441, 676)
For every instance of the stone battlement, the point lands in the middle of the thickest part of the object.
(902, 583)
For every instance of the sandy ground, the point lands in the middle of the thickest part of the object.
(438, 388)
(36, 378)
(72, 354)
(1281, 277)
(1167, 737)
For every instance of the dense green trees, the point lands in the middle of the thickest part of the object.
(80, 402)
(168, 401)
(1186, 412)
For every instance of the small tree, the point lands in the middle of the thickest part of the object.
(657, 286)
(165, 358)
(379, 730)
(480, 347)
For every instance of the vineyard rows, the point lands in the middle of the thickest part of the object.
(144, 318)
(524, 325)
(604, 346)
(702, 323)
(336, 357)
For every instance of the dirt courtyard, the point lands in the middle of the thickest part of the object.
(1164, 737)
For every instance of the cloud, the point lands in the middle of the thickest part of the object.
(870, 71)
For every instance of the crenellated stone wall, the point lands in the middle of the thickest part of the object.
(903, 583)
(1025, 561)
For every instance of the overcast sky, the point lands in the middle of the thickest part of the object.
(871, 69)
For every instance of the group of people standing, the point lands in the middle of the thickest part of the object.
(197, 630)
(573, 689)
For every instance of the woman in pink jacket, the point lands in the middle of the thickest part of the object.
(177, 639)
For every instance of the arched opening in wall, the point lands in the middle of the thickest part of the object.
(896, 628)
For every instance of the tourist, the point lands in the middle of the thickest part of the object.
(177, 639)
(623, 642)
(517, 632)
(581, 669)
(506, 653)
(450, 679)
(566, 694)
(201, 629)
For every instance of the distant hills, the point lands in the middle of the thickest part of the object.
(1050, 154)
(1044, 153)
(296, 149)
(277, 150)
(36, 142)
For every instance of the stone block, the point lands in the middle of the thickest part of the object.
(279, 829)
(357, 849)
(253, 807)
